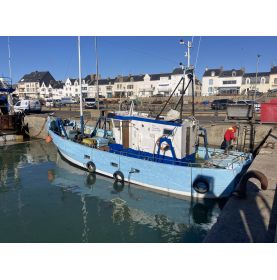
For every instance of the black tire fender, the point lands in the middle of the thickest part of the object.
(91, 167)
(118, 176)
(201, 185)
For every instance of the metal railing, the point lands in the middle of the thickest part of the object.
(204, 164)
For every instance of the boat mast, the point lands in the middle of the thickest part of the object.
(80, 84)
(97, 84)
(10, 68)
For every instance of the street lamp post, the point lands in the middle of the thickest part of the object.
(252, 123)
(256, 82)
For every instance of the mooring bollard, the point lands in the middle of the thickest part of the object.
(240, 192)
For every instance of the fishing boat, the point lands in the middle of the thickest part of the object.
(159, 153)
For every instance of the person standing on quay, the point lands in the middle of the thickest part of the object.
(229, 136)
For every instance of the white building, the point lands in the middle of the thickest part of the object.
(222, 82)
(35, 85)
(249, 82)
(143, 85)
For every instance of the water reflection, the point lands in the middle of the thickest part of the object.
(57, 202)
(132, 205)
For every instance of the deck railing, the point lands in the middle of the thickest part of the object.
(205, 164)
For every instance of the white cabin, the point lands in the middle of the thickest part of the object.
(146, 135)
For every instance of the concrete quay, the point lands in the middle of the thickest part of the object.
(252, 219)
(215, 130)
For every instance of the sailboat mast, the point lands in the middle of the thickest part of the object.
(9, 50)
(80, 85)
(97, 84)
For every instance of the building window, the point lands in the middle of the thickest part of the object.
(119, 86)
(210, 89)
(275, 81)
(234, 74)
(130, 87)
(263, 80)
(248, 81)
(211, 82)
(229, 82)
(108, 87)
(213, 74)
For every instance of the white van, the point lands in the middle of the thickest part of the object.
(90, 103)
(68, 100)
(28, 106)
(49, 102)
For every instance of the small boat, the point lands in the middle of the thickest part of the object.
(161, 154)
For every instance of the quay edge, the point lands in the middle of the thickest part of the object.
(252, 219)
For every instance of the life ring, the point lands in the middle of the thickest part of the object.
(91, 167)
(118, 176)
(201, 185)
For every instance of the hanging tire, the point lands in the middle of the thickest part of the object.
(200, 185)
(91, 167)
(118, 176)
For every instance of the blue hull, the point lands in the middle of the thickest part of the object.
(166, 178)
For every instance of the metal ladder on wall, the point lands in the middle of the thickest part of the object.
(247, 138)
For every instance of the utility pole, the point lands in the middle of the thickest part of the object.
(256, 82)
(255, 92)
(97, 83)
(252, 129)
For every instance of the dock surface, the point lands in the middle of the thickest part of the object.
(252, 219)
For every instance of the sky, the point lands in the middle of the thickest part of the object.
(132, 55)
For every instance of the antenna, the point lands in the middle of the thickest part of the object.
(187, 53)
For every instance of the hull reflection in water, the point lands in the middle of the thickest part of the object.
(129, 203)
(45, 199)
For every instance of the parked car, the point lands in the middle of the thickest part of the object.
(57, 103)
(250, 102)
(89, 103)
(42, 102)
(68, 100)
(272, 92)
(220, 104)
(28, 106)
(101, 105)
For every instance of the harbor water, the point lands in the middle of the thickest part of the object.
(43, 198)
